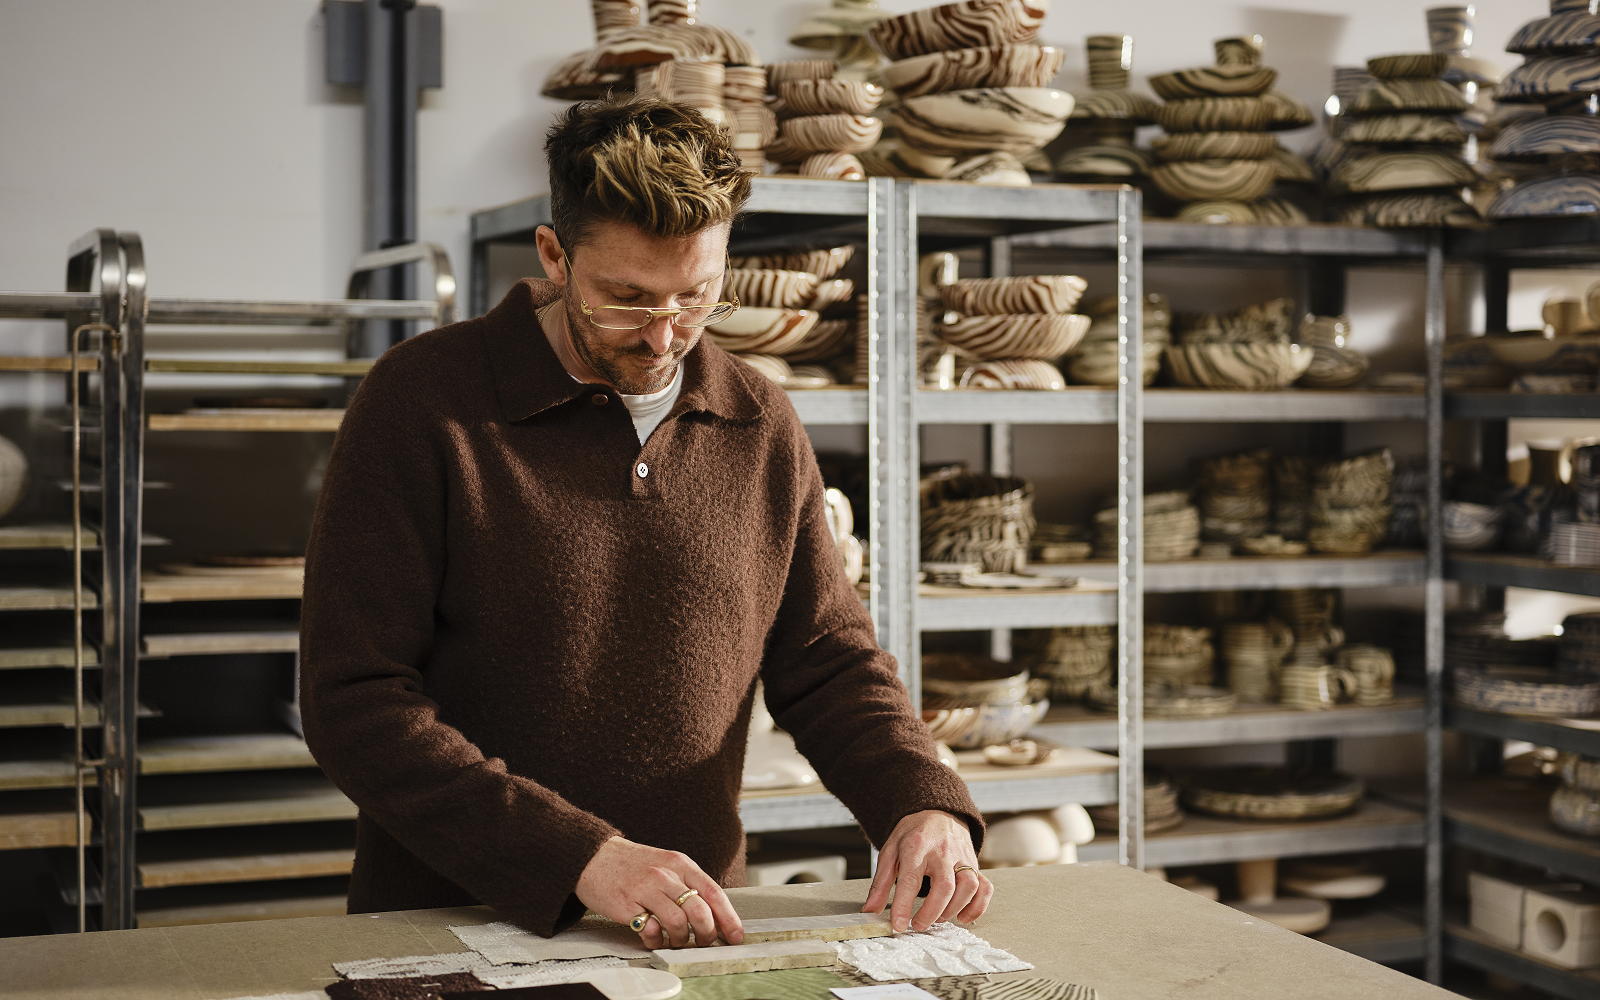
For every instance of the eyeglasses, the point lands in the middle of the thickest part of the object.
(638, 317)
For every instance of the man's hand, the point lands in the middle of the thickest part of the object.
(934, 844)
(625, 879)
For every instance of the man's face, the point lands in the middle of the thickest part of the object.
(620, 265)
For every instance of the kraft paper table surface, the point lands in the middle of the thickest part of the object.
(1127, 934)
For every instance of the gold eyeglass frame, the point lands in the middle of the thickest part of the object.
(655, 314)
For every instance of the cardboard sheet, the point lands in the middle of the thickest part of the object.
(504, 943)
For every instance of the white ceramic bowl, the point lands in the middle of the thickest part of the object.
(1001, 119)
(754, 330)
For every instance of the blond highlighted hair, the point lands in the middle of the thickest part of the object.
(662, 167)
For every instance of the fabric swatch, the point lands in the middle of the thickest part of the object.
(554, 973)
(943, 950)
(413, 988)
(505, 943)
(781, 984)
(413, 965)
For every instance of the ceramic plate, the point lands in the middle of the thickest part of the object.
(1551, 76)
(1545, 197)
(1534, 140)
(1568, 32)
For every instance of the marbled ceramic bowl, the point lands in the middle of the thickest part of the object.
(1013, 373)
(828, 97)
(839, 133)
(948, 724)
(1406, 127)
(995, 169)
(1409, 210)
(824, 263)
(1186, 146)
(827, 339)
(1551, 76)
(1536, 140)
(1001, 724)
(1419, 65)
(1214, 81)
(967, 69)
(774, 368)
(1237, 365)
(832, 167)
(1286, 113)
(1219, 213)
(1388, 96)
(1545, 197)
(1404, 171)
(1215, 180)
(972, 23)
(1035, 293)
(1005, 119)
(831, 293)
(1096, 363)
(1215, 114)
(1470, 526)
(772, 288)
(779, 73)
(1567, 31)
(1026, 336)
(1546, 354)
(754, 330)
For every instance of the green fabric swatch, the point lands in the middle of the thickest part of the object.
(782, 984)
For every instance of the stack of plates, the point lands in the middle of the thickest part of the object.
(1075, 660)
(1161, 811)
(1271, 793)
(1350, 503)
(1575, 544)
(1177, 656)
(1171, 528)
(1526, 691)
(1235, 496)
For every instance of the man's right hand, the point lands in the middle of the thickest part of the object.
(625, 879)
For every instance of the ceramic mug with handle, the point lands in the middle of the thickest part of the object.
(1373, 668)
(1316, 688)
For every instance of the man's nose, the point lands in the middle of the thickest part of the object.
(658, 335)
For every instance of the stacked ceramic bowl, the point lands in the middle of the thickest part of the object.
(624, 46)
(1161, 810)
(795, 322)
(973, 94)
(1350, 503)
(1235, 496)
(1015, 328)
(1171, 528)
(1007, 704)
(1074, 660)
(1334, 364)
(1176, 656)
(1220, 156)
(1097, 145)
(1562, 149)
(1471, 527)
(1249, 349)
(1404, 163)
(823, 121)
(976, 518)
(1094, 362)
(840, 28)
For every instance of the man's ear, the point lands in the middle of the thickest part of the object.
(550, 255)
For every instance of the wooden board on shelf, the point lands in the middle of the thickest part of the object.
(248, 420)
(245, 854)
(186, 802)
(160, 588)
(231, 752)
(1202, 839)
(1466, 944)
(28, 657)
(42, 599)
(1067, 760)
(225, 913)
(37, 758)
(37, 819)
(215, 643)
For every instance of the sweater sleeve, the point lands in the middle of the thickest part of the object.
(830, 686)
(374, 567)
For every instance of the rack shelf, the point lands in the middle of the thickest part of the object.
(1074, 725)
(1577, 735)
(1498, 569)
(1467, 945)
(219, 643)
(1079, 775)
(949, 609)
(1384, 936)
(1166, 239)
(1506, 405)
(247, 420)
(157, 588)
(246, 854)
(198, 366)
(839, 405)
(1510, 818)
(1546, 243)
(233, 752)
(187, 802)
(1091, 405)
(30, 657)
(42, 599)
(44, 818)
(1373, 826)
(1389, 568)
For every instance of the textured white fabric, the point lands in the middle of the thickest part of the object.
(504, 943)
(413, 965)
(548, 973)
(648, 410)
(943, 950)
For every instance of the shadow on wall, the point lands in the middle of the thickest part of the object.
(1300, 45)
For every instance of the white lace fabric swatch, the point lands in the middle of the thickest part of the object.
(942, 950)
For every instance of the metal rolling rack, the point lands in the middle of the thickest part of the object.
(887, 217)
(1321, 255)
(1485, 812)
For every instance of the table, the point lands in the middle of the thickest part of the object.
(1128, 934)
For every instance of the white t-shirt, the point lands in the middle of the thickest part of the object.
(649, 409)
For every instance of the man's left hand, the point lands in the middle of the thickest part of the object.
(933, 844)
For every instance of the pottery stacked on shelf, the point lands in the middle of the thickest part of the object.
(1334, 364)
(670, 32)
(1075, 660)
(1171, 528)
(1235, 494)
(973, 93)
(1161, 810)
(824, 121)
(1254, 653)
(1097, 145)
(1350, 503)
(840, 29)
(1404, 165)
(1220, 156)
(1007, 701)
(1177, 656)
(1014, 328)
(1575, 806)
(1557, 154)
(1248, 349)
(969, 517)
(1094, 361)
(796, 322)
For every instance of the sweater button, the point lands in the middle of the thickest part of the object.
(601, 399)
(642, 469)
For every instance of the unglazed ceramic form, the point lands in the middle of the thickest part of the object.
(1229, 180)
(1026, 336)
(772, 288)
(826, 97)
(1400, 172)
(967, 25)
(657, 43)
(1186, 146)
(1215, 114)
(1551, 76)
(779, 73)
(1013, 373)
(967, 69)
(756, 330)
(1544, 197)
(1385, 96)
(823, 263)
(1285, 113)
(1036, 293)
(1421, 65)
(1214, 81)
(1005, 119)
(810, 134)
(1408, 127)
(1237, 365)
(1540, 138)
(833, 167)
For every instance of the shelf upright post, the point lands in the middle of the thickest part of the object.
(1434, 610)
(891, 429)
(1130, 522)
(998, 257)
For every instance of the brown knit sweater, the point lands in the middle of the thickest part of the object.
(523, 634)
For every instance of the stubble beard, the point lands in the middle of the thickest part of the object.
(606, 362)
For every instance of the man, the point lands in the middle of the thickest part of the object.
(557, 545)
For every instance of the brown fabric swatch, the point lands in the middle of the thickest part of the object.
(416, 988)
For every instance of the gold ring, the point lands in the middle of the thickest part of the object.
(691, 892)
(963, 868)
(637, 923)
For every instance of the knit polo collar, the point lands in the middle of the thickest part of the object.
(529, 378)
